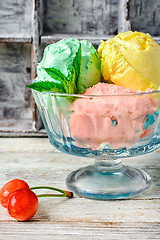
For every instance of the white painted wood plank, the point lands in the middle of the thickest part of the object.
(88, 17)
(14, 75)
(20, 38)
(145, 17)
(20, 132)
(37, 162)
(124, 16)
(15, 16)
(36, 119)
(86, 210)
(82, 230)
(95, 40)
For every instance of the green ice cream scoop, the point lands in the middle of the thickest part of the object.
(91, 66)
(68, 66)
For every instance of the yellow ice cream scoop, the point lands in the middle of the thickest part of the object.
(132, 60)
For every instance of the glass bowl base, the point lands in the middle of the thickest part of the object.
(102, 184)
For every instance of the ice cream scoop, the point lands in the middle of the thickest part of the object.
(113, 116)
(91, 66)
(131, 59)
(68, 66)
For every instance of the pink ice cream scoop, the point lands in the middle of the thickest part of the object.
(113, 116)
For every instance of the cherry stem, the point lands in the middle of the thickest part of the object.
(64, 193)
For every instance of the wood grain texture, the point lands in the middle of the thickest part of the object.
(99, 17)
(124, 16)
(79, 16)
(15, 69)
(35, 49)
(15, 16)
(87, 17)
(37, 162)
(90, 19)
(81, 230)
(145, 16)
(15, 38)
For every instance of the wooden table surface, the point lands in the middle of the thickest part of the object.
(37, 162)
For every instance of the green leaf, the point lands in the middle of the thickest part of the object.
(77, 64)
(42, 86)
(57, 75)
(75, 72)
(71, 82)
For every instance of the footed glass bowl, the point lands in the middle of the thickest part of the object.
(106, 128)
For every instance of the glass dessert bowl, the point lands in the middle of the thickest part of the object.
(106, 128)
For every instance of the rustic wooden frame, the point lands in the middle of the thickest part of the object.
(37, 38)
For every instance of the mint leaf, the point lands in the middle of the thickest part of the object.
(42, 86)
(57, 75)
(77, 64)
(75, 72)
(71, 82)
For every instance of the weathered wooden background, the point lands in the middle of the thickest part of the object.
(92, 17)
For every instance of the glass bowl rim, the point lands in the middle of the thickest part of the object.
(95, 96)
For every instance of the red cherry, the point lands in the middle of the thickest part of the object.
(22, 204)
(9, 188)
